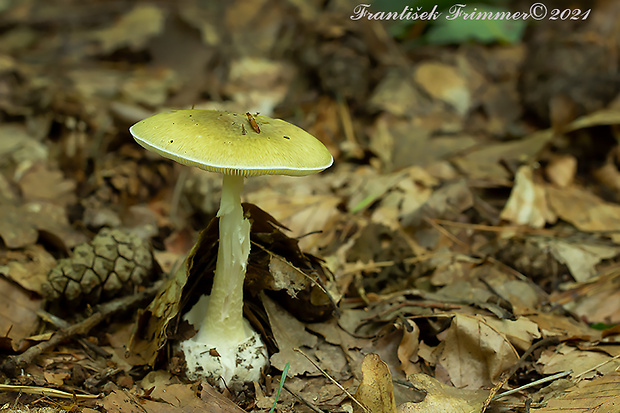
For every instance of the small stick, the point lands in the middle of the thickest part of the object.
(491, 228)
(11, 364)
(47, 392)
(446, 233)
(534, 383)
(60, 323)
(544, 342)
(304, 401)
(332, 379)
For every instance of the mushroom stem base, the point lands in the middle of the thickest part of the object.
(219, 360)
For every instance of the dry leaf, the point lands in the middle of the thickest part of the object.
(376, 391)
(595, 301)
(527, 204)
(170, 398)
(259, 84)
(18, 318)
(441, 398)
(580, 257)
(408, 348)
(521, 332)
(403, 143)
(151, 89)
(599, 118)
(553, 325)
(20, 224)
(583, 209)
(566, 357)
(302, 212)
(151, 331)
(57, 379)
(475, 354)
(132, 30)
(561, 170)
(445, 83)
(485, 162)
(16, 230)
(600, 395)
(398, 95)
(121, 401)
(289, 333)
(43, 183)
(216, 402)
(29, 267)
(446, 202)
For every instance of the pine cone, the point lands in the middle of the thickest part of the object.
(110, 265)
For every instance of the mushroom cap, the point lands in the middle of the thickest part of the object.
(226, 142)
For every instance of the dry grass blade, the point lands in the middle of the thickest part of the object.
(42, 391)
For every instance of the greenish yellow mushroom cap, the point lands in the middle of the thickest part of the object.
(226, 142)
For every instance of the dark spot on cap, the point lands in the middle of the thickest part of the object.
(171, 141)
(286, 137)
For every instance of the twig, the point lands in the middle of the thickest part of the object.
(12, 364)
(332, 380)
(61, 323)
(304, 401)
(47, 392)
(492, 228)
(368, 267)
(544, 342)
(446, 233)
(534, 383)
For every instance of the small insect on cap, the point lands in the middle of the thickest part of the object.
(232, 143)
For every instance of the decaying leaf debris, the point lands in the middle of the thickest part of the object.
(467, 238)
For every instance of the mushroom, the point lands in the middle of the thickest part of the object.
(236, 145)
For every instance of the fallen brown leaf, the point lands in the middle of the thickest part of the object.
(18, 318)
(376, 391)
(445, 83)
(289, 333)
(583, 209)
(474, 353)
(408, 348)
(600, 395)
(562, 170)
(581, 361)
(441, 398)
(133, 29)
(29, 267)
(527, 204)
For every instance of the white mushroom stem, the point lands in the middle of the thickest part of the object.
(239, 354)
(225, 310)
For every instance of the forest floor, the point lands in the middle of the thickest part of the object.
(462, 253)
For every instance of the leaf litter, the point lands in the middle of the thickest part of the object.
(465, 243)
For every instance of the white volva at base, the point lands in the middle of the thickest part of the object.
(220, 360)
